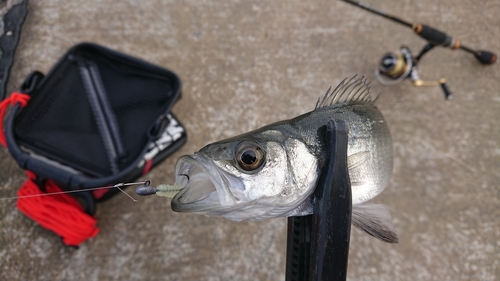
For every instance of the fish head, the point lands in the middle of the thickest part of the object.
(251, 177)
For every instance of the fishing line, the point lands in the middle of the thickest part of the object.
(146, 182)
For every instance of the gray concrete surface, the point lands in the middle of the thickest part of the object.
(248, 63)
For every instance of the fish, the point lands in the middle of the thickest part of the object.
(272, 171)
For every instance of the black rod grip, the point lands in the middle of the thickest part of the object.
(485, 57)
(433, 35)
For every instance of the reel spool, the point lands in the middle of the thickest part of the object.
(394, 68)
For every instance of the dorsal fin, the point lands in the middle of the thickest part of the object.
(352, 90)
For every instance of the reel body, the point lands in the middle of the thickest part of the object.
(394, 68)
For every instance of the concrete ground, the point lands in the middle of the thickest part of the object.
(245, 64)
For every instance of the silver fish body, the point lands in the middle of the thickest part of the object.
(272, 171)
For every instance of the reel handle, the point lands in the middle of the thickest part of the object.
(417, 82)
(447, 93)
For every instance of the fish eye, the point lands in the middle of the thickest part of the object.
(249, 156)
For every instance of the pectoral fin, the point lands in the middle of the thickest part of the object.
(356, 160)
(375, 220)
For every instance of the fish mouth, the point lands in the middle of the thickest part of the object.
(205, 186)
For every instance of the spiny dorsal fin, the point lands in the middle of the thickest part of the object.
(352, 90)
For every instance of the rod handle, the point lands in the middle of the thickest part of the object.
(485, 57)
(435, 36)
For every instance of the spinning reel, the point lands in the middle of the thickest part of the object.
(394, 68)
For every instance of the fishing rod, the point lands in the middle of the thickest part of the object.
(394, 68)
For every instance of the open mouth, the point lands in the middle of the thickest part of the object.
(205, 186)
(197, 184)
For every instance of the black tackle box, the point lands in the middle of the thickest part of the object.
(98, 117)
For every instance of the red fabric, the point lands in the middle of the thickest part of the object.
(147, 166)
(99, 193)
(59, 213)
(22, 99)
